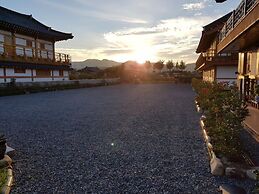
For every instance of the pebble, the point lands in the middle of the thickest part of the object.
(117, 139)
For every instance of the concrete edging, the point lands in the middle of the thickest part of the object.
(217, 166)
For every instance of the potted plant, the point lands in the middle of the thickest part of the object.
(257, 93)
(2, 146)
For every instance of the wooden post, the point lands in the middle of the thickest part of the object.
(52, 72)
(24, 53)
(233, 18)
(245, 7)
(53, 49)
(32, 78)
(13, 46)
(36, 48)
(4, 74)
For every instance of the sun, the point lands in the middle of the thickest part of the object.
(143, 55)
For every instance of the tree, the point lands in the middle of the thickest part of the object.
(177, 66)
(148, 65)
(182, 65)
(170, 65)
(159, 65)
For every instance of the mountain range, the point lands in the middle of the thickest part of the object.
(102, 64)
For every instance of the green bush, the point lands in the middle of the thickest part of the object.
(3, 177)
(224, 112)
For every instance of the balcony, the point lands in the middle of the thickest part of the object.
(200, 62)
(226, 59)
(32, 55)
(243, 19)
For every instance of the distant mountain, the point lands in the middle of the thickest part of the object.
(102, 64)
(190, 67)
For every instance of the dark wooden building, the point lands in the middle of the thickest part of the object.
(27, 50)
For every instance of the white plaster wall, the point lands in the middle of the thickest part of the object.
(23, 80)
(60, 79)
(9, 72)
(34, 72)
(226, 73)
(55, 72)
(27, 73)
(1, 38)
(1, 71)
(66, 73)
(43, 79)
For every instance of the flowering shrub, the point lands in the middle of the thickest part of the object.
(224, 112)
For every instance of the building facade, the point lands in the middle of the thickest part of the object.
(27, 50)
(241, 34)
(214, 66)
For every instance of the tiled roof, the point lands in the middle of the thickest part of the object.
(27, 25)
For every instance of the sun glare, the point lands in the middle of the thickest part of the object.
(143, 55)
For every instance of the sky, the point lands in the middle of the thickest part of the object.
(124, 30)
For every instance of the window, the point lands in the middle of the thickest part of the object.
(19, 70)
(43, 73)
(61, 73)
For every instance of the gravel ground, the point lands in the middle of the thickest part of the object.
(116, 139)
(251, 145)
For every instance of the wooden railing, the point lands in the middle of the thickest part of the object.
(237, 16)
(226, 58)
(25, 54)
(209, 53)
(200, 61)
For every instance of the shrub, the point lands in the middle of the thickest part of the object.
(225, 112)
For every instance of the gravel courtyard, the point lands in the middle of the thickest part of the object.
(116, 139)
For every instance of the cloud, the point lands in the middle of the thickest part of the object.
(175, 38)
(194, 6)
(95, 14)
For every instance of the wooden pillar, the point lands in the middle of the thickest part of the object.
(13, 45)
(32, 78)
(36, 48)
(233, 19)
(4, 74)
(52, 73)
(53, 48)
(245, 7)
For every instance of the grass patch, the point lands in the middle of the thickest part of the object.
(3, 177)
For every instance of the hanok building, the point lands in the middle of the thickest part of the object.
(241, 34)
(214, 66)
(27, 50)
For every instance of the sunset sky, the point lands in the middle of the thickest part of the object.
(126, 30)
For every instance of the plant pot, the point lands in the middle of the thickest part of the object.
(2, 146)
